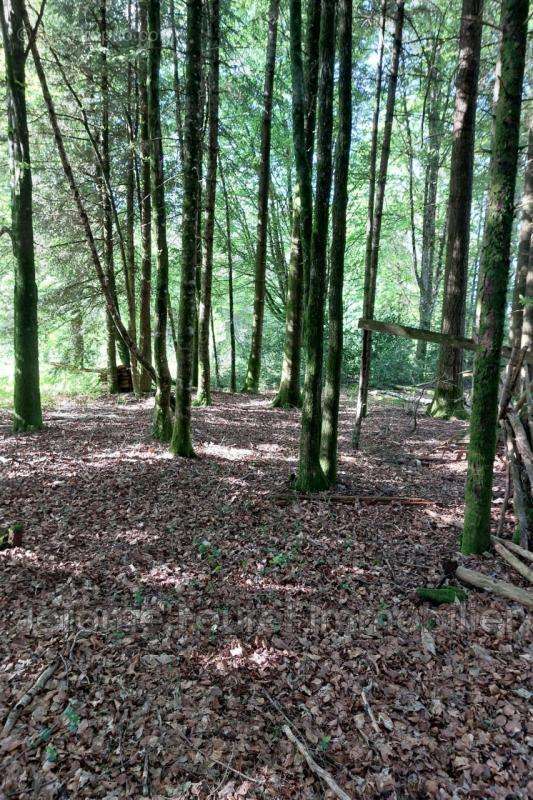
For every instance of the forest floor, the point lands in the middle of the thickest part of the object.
(190, 609)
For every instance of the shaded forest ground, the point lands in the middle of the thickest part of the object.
(194, 612)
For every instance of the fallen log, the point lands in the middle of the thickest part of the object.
(314, 767)
(510, 545)
(501, 588)
(514, 561)
(348, 499)
(407, 332)
(27, 697)
(522, 445)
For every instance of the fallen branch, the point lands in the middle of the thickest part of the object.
(472, 578)
(348, 499)
(26, 698)
(527, 554)
(407, 332)
(515, 562)
(314, 767)
(522, 445)
(369, 711)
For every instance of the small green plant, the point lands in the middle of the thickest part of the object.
(280, 560)
(73, 718)
(324, 743)
(138, 597)
(51, 754)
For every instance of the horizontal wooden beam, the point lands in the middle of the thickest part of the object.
(407, 332)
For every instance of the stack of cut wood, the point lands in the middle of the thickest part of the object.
(125, 382)
(516, 420)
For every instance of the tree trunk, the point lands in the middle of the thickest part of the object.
(110, 299)
(145, 294)
(251, 382)
(27, 394)
(448, 398)
(289, 395)
(107, 217)
(130, 214)
(371, 268)
(162, 422)
(203, 396)
(310, 474)
(524, 246)
(229, 250)
(494, 279)
(181, 437)
(330, 420)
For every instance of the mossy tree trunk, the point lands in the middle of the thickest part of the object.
(203, 396)
(27, 395)
(524, 245)
(448, 397)
(251, 381)
(330, 418)
(310, 475)
(145, 294)
(162, 422)
(494, 278)
(289, 395)
(181, 437)
(373, 238)
(132, 120)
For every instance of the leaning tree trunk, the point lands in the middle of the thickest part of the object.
(203, 396)
(251, 382)
(289, 395)
(181, 437)
(448, 398)
(162, 422)
(494, 279)
(330, 419)
(27, 394)
(145, 294)
(371, 266)
(310, 475)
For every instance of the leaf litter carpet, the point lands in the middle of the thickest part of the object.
(190, 609)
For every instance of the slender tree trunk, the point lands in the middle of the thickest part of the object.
(310, 474)
(251, 382)
(107, 218)
(448, 398)
(371, 268)
(27, 394)
(494, 278)
(332, 388)
(78, 344)
(181, 438)
(130, 213)
(524, 245)
(162, 422)
(200, 189)
(110, 299)
(215, 352)
(177, 83)
(229, 250)
(145, 295)
(203, 396)
(289, 395)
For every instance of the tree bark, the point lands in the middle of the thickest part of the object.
(181, 437)
(251, 382)
(27, 394)
(130, 211)
(494, 278)
(330, 419)
(289, 395)
(372, 264)
(310, 475)
(203, 396)
(162, 421)
(145, 294)
(448, 397)
(229, 251)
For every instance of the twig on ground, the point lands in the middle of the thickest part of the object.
(26, 698)
(368, 708)
(314, 767)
